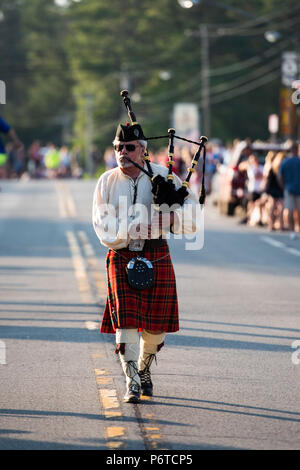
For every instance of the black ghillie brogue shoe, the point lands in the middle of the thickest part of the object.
(133, 394)
(146, 382)
(145, 377)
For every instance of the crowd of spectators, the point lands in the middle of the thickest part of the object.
(42, 161)
(273, 190)
(272, 196)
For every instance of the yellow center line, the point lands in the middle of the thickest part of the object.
(153, 432)
(65, 201)
(104, 380)
(108, 396)
(79, 268)
(61, 204)
(97, 355)
(114, 431)
(115, 435)
(93, 263)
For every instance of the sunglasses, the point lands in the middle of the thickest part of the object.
(128, 147)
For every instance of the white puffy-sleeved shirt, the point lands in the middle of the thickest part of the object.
(120, 202)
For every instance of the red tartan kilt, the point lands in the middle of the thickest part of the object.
(154, 309)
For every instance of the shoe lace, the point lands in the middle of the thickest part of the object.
(131, 372)
(145, 374)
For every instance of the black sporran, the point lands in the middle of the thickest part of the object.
(140, 273)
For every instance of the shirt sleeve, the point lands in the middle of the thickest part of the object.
(109, 227)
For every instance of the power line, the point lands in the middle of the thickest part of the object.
(217, 88)
(260, 19)
(254, 32)
(252, 61)
(242, 90)
(220, 88)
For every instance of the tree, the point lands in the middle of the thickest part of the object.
(112, 44)
(55, 61)
(36, 68)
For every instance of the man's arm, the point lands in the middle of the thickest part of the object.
(16, 141)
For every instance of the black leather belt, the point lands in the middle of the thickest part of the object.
(153, 243)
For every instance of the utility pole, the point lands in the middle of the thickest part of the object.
(205, 66)
(125, 84)
(89, 98)
(205, 91)
(205, 122)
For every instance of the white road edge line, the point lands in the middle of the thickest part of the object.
(277, 244)
(272, 242)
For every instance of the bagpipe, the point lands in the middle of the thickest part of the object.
(163, 189)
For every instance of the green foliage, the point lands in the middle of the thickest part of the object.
(56, 60)
(37, 72)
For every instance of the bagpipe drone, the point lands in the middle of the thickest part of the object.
(163, 189)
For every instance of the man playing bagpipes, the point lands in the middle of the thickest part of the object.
(132, 219)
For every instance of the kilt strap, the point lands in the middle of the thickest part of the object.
(149, 244)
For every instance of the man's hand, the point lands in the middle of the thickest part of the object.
(162, 220)
(159, 222)
(142, 231)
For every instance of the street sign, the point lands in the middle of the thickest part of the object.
(2, 92)
(273, 123)
(287, 113)
(186, 120)
(290, 67)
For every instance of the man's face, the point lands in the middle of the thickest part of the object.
(131, 149)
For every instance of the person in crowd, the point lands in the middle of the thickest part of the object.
(187, 153)
(20, 163)
(7, 129)
(109, 158)
(274, 191)
(254, 184)
(95, 157)
(289, 177)
(35, 160)
(64, 169)
(51, 159)
(210, 168)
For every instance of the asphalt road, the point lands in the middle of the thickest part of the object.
(229, 379)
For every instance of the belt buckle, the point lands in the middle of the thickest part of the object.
(136, 245)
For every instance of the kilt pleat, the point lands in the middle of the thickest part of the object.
(154, 309)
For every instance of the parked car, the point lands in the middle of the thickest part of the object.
(231, 181)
